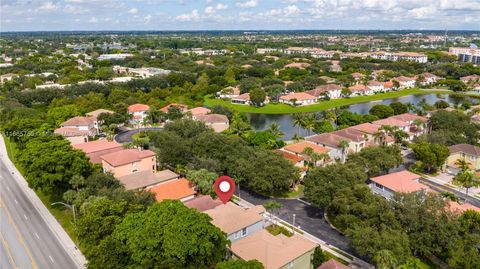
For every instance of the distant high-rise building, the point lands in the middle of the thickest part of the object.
(466, 55)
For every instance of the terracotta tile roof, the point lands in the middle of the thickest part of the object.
(297, 65)
(231, 90)
(299, 147)
(409, 117)
(367, 127)
(358, 88)
(328, 139)
(388, 84)
(175, 190)
(460, 208)
(375, 83)
(272, 251)
(357, 75)
(243, 97)
(97, 112)
(231, 218)
(403, 79)
(199, 111)
(97, 145)
(72, 132)
(182, 107)
(391, 122)
(403, 181)
(144, 179)
(138, 108)
(78, 121)
(300, 96)
(126, 156)
(212, 118)
(324, 88)
(465, 148)
(202, 203)
(332, 264)
(289, 156)
(352, 134)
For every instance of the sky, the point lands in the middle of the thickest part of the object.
(52, 15)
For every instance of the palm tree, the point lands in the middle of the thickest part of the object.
(297, 138)
(275, 130)
(309, 123)
(109, 131)
(462, 164)
(298, 120)
(466, 179)
(344, 144)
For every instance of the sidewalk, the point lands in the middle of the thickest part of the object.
(449, 185)
(49, 219)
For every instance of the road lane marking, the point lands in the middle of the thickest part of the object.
(15, 200)
(25, 216)
(8, 188)
(51, 259)
(19, 235)
(36, 235)
(9, 254)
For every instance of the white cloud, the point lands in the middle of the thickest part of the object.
(221, 6)
(93, 20)
(48, 6)
(247, 4)
(133, 11)
(147, 19)
(209, 10)
(188, 16)
(71, 9)
(291, 10)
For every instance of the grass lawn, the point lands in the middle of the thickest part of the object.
(323, 105)
(298, 193)
(141, 135)
(276, 230)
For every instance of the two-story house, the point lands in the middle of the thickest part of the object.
(339, 146)
(465, 152)
(78, 129)
(399, 182)
(332, 91)
(138, 113)
(129, 161)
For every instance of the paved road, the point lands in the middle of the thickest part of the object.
(309, 218)
(440, 188)
(126, 136)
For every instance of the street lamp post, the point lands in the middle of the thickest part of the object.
(72, 207)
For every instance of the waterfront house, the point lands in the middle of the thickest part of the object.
(332, 91)
(298, 99)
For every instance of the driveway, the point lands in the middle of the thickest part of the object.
(126, 136)
(309, 218)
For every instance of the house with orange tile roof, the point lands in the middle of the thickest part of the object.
(334, 143)
(129, 161)
(360, 89)
(417, 124)
(146, 178)
(459, 208)
(333, 264)
(299, 148)
(357, 139)
(375, 86)
(202, 203)
(402, 125)
(244, 99)
(138, 113)
(217, 122)
(97, 148)
(298, 99)
(198, 111)
(78, 129)
(333, 91)
(275, 251)
(237, 222)
(179, 189)
(405, 82)
(399, 182)
(388, 86)
(296, 160)
(183, 108)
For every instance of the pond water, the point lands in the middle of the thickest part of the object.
(261, 122)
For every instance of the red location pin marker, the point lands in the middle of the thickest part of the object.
(224, 187)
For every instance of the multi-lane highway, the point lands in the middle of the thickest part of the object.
(28, 240)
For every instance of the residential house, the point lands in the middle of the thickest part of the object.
(327, 79)
(298, 99)
(405, 82)
(360, 89)
(332, 91)
(138, 113)
(429, 78)
(299, 149)
(393, 122)
(229, 92)
(460, 208)
(399, 182)
(466, 152)
(217, 122)
(333, 264)
(297, 160)
(97, 148)
(7, 77)
(244, 99)
(334, 143)
(128, 161)
(370, 132)
(388, 86)
(183, 108)
(376, 86)
(358, 140)
(470, 80)
(418, 124)
(357, 76)
(275, 252)
(297, 65)
(203, 203)
(178, 189)
(78, 129)
(237, 222)
(146, 178)
(198, 111)
(97, 112)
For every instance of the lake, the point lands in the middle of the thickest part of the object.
(261, 122)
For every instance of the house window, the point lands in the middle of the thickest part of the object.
(236, 235)
(244, 232)
(378, 186)
(290, 264)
